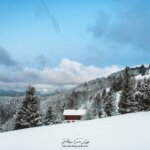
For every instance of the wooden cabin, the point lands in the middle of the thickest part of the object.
(72, 115)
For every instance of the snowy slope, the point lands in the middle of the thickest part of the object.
(140, 77)
(124, 132)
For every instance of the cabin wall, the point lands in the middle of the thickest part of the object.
(72, 117)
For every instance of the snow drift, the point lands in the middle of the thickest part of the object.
(123, 132)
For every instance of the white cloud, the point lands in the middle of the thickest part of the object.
(72, 72)
(68, 72)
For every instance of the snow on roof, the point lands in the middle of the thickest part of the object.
(69, 112)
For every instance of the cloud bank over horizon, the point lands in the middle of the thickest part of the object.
(66, 73)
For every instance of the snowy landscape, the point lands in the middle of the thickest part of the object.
(126, 91)
(74, 74)
(108, 113)
(126, 132)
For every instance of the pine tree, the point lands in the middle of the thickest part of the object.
(72, 100)
(117, 84)
(103, 93)
(127, 103)
(149, 68)
(109, 104)
(85, 84)
(142, 70)
(138, 85)
(28, 115)
(97, 100)
(50, 117)
(98, 105)
(0, 124)
(101, 112)
(142, 96)
(70, 103)
(89, 115)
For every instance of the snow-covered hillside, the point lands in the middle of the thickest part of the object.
(88, 95)
(123, 132)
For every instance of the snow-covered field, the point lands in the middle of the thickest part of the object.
(124, 132)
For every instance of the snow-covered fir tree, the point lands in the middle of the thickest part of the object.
(126, 103)
(51, 117)
(142, 70)
(72, 100)
(98, 106)
(90, 114)
(103, 93)
(109, 104)
(138, 85)
(0, 124)
(117, 84)
(148, 68)
(102, 113)
(142, 95)
(28, 115)
(97, 101)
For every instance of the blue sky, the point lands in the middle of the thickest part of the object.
(41, 34)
